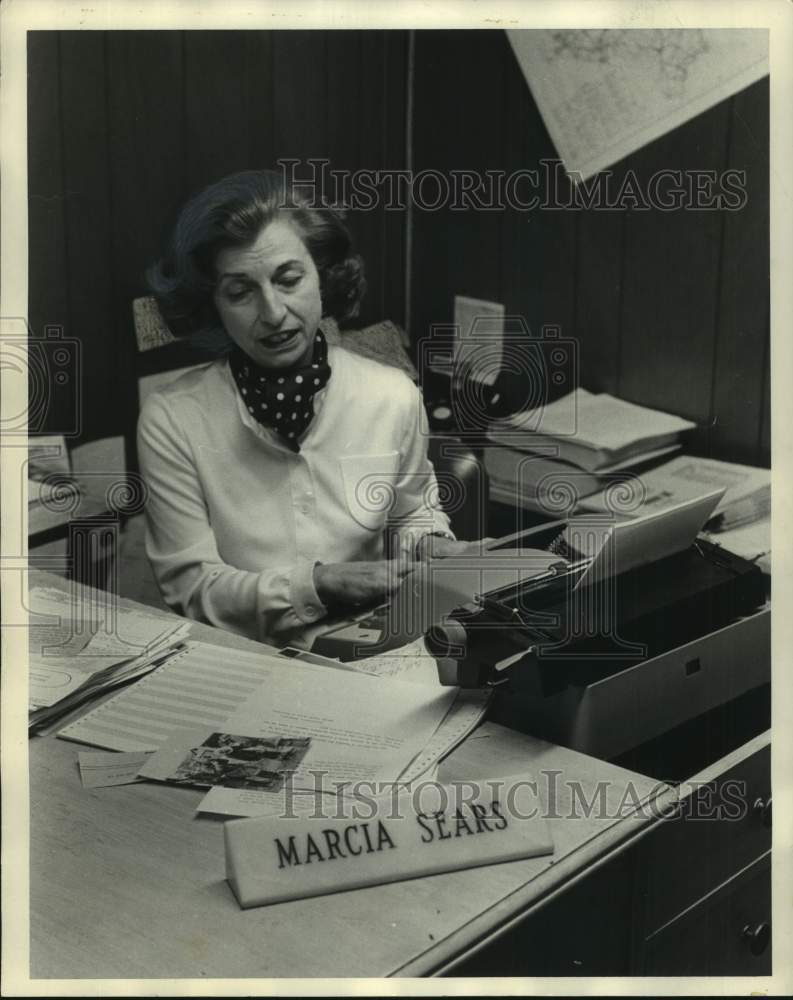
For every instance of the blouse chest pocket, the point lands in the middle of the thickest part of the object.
(370, 483)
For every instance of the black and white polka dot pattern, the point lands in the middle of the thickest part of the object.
(282, 399)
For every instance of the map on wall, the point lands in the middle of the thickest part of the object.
(605, 93)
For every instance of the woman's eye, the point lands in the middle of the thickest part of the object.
(289, 280)
(237, 294)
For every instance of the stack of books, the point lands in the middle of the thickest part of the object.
(573, 445)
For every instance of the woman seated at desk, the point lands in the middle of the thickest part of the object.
(274, 472)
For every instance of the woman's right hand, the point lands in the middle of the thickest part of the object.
(359, 584)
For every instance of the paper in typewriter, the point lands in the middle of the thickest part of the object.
(629, 544)
(441, 585)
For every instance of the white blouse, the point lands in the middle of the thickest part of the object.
(236, 521)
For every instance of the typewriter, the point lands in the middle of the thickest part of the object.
(640, 625)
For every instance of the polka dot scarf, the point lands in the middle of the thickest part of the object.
(282, 399)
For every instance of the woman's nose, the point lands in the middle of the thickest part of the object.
(271, 309)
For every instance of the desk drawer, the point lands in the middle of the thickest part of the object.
(728, 933)
(724, 825)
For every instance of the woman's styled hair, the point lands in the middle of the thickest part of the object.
(231, 213)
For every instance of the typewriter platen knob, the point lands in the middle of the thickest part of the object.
(447, 639)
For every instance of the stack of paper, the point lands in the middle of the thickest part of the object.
(525, 479)
(686, 477)
(572, 447)
(593, 432)
(73, 658)
(741, 523)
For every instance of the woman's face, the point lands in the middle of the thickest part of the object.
(267, 297)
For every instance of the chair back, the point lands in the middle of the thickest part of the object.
(383, 341)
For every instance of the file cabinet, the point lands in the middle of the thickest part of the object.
(690, 895)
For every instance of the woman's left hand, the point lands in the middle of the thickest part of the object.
(438, 547)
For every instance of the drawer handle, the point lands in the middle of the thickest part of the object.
(758, 937)
(762, 808)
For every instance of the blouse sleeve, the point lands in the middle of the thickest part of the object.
(416, 511)
(275, 604)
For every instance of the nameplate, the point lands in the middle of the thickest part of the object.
(348, 844)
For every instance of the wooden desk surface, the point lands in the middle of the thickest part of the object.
(127, 882)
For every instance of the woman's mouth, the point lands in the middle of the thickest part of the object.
(274, 341)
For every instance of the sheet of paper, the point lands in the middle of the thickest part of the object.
(414, 664)
(57, 626)
(604, 93)
(101, 680)
(685, 478)
(604, 421)
(200, 686)
(48, 453)
(751, 541)
(289, 801)
(359, 730)
(440, 585)
(463, 717)
(411, 663)
(249, 802)
(642, 540)
(59, 662)
(66, 651)
(98, 770)
(136, 635)
(53, 679)
(557, 418)
(479, 342)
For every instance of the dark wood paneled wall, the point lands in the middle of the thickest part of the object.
(669, 309)
(124, 126)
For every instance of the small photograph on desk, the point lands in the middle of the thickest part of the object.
(241, 761)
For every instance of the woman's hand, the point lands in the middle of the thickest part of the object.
(354, 584)
(438, 547)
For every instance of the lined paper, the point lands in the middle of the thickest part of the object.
(201, 686)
